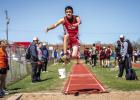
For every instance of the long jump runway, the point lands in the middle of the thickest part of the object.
(81, 80)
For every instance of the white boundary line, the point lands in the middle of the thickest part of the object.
(83, 75)
(90, 74)
(95, 79)
(69, 80)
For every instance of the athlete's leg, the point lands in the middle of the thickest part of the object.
(78, 57)
(108, 63)
(65, 44)
(76, 53)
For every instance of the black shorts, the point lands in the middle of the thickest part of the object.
(108, 57)
(3, 70)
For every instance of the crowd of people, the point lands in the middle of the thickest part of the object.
(123, 53)
(93, 54)
(38, 57)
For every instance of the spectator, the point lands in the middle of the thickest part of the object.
(86, 54)
(93, 55)
(138, 52)
(45, 56)
(102, 56)
(124, 62)
(117, 51)
(3, 66)
(55, 56)
(34, 59)
(40, 59)
(135, 55)
(62, 53)
(108, 53)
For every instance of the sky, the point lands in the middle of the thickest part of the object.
(102, 20)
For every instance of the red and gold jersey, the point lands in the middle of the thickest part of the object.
(69, 28)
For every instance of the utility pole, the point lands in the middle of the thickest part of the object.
(7, 23)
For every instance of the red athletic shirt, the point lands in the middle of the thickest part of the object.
(69, 28)
(72, 31)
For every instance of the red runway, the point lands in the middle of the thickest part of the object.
(81, 80)
(136, 65)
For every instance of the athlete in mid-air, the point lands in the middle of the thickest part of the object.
(70, 24)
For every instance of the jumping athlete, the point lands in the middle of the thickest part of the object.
(70, 24)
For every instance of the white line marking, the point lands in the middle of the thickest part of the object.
(95, 79)
(69, 79)
(90, 74)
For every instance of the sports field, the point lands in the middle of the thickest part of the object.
(52, 84)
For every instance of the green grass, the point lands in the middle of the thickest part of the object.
(50, 81)
(107, 76)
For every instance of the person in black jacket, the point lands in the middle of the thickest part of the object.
(34, 59)
(45, 53)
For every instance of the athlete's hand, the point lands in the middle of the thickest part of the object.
(75, 25)
(46, 30)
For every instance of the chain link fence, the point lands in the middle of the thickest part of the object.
(19, 67)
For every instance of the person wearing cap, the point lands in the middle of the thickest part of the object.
(45, 53)
(3, 66)
(123, 63)
(34, 59)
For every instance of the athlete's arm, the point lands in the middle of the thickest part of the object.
(78, 21)
(60, 21)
